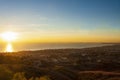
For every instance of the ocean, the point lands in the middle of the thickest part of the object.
(41, 46)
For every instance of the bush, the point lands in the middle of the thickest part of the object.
(5, 73)
(21, 76)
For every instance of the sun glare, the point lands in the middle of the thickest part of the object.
(9, 48)
(9, 36)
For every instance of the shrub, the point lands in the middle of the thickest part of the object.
(5, 73)
(21, 76)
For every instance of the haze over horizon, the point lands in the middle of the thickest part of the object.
(61, 20)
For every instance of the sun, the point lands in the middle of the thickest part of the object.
(9, 36)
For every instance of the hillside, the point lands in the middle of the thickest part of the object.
(97, 63)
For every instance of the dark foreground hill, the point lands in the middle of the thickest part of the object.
(98, 63)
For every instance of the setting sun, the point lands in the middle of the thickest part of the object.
(9, 36)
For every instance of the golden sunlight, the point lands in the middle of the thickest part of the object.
(9, 36)
(9, 48)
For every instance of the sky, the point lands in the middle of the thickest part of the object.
(61, 20)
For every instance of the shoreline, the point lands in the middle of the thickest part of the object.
(80, 47)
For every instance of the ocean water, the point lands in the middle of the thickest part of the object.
(42, 46)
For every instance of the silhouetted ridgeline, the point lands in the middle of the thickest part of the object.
(98, 63)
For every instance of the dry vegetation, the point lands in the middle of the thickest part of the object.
(99, 63)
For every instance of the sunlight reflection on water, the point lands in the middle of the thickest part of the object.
(9, 48)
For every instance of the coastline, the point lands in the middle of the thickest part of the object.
(94, 63)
